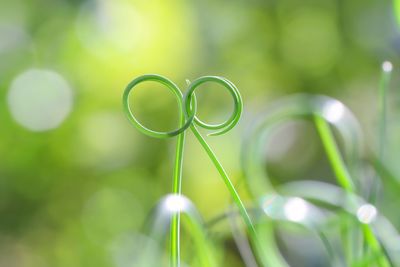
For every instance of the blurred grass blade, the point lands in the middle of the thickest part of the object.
(168, 207)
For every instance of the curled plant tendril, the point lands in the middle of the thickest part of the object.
(224, 126)
(190, 103)
(187, 108)
(173, 88)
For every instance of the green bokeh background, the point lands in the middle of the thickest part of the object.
(69, 195)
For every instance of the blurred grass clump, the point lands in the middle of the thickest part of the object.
(77, 182)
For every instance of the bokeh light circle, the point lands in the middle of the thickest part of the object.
(40, 100)
(367, 213)
(296, 209)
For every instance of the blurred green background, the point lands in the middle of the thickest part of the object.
(77, 180)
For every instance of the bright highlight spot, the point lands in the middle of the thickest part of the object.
(333, 111)
(176, 203)
(39, 100)
(387, 66)
(367, 213)
(296, 209)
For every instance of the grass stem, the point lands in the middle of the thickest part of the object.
(344, 179)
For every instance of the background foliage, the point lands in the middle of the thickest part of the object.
(78, 182)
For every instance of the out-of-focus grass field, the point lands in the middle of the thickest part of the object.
(77, 181)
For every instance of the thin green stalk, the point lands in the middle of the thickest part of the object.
(180, 132)
(200, 239)
(382, 128)
(189, 219)
(235, 196)
(334, 156)
(383, 88)
(177, 189)
(226, 179)
(375, 246)
(221, 129)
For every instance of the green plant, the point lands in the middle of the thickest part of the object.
(187, 108)
(270, 203)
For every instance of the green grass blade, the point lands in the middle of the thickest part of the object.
(333, 154)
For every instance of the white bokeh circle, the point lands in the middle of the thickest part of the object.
(40, 100)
